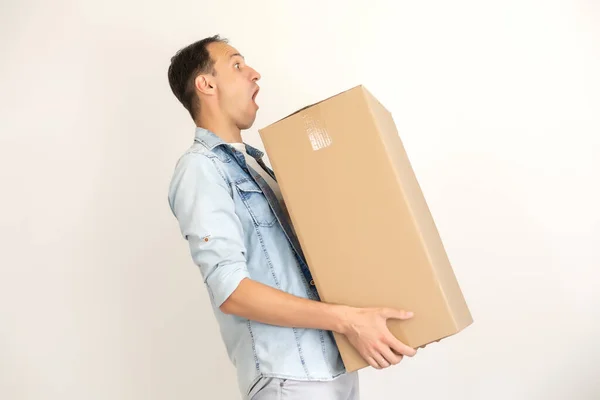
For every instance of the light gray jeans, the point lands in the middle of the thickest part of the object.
(344, 387)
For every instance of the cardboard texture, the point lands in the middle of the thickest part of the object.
(361, 218)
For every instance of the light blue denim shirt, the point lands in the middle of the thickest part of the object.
(236, 229)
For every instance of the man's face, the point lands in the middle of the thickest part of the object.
(236, 85)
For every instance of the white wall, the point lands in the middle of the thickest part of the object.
(498, 105)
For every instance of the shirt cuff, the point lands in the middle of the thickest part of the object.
(224, 280)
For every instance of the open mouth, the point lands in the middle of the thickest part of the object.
(255, 94)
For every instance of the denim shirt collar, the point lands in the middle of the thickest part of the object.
(210, 141)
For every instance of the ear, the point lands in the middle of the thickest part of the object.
(205, 84)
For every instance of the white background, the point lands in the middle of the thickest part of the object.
(497, 102)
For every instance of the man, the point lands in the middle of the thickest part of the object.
(229, 208)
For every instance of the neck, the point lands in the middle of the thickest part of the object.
(220, 126)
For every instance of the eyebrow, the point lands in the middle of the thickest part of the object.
(236, 54)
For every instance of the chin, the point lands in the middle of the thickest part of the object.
(247, 124)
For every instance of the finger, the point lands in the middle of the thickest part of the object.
(372, 362)
(390, 356)
(381, 361)
(396, 314)
(400, 347)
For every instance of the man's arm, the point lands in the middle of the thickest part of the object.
(365, 328)
(202, 204)
(201, 201)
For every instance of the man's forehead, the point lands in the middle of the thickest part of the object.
(220, 50)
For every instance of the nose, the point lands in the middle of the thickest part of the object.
(255, 76)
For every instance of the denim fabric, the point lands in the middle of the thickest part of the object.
(346, 387)
(236, 229)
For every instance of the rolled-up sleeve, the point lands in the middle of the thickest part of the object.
(202, 203)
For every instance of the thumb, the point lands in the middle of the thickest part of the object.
(396, 314)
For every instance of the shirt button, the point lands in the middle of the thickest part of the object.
(312, 282)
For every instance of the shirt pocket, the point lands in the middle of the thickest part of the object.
(256, 203)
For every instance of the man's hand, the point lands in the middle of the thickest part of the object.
(367, 331)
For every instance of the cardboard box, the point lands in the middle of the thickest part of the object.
(361, 218)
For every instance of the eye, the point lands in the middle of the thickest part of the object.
(236, 66)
